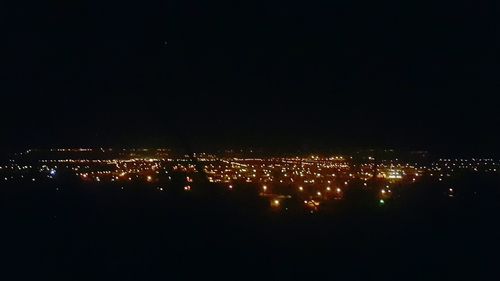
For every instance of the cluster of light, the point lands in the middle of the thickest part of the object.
(311, 177)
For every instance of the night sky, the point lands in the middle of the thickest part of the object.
(295, 74)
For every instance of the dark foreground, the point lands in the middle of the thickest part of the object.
(85, 232)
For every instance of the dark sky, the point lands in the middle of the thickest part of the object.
(298, 74)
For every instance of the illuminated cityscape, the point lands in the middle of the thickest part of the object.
(249, 140)
(312, 180)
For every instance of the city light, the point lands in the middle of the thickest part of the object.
(309, 177)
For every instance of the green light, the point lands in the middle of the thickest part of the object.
(381, 201)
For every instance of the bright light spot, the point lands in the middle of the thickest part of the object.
(381, 201)
(264, 187)
(301, 188)
(339, 190)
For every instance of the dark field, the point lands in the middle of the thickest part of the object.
(77, 231)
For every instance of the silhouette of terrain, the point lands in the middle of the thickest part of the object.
(70, 230)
